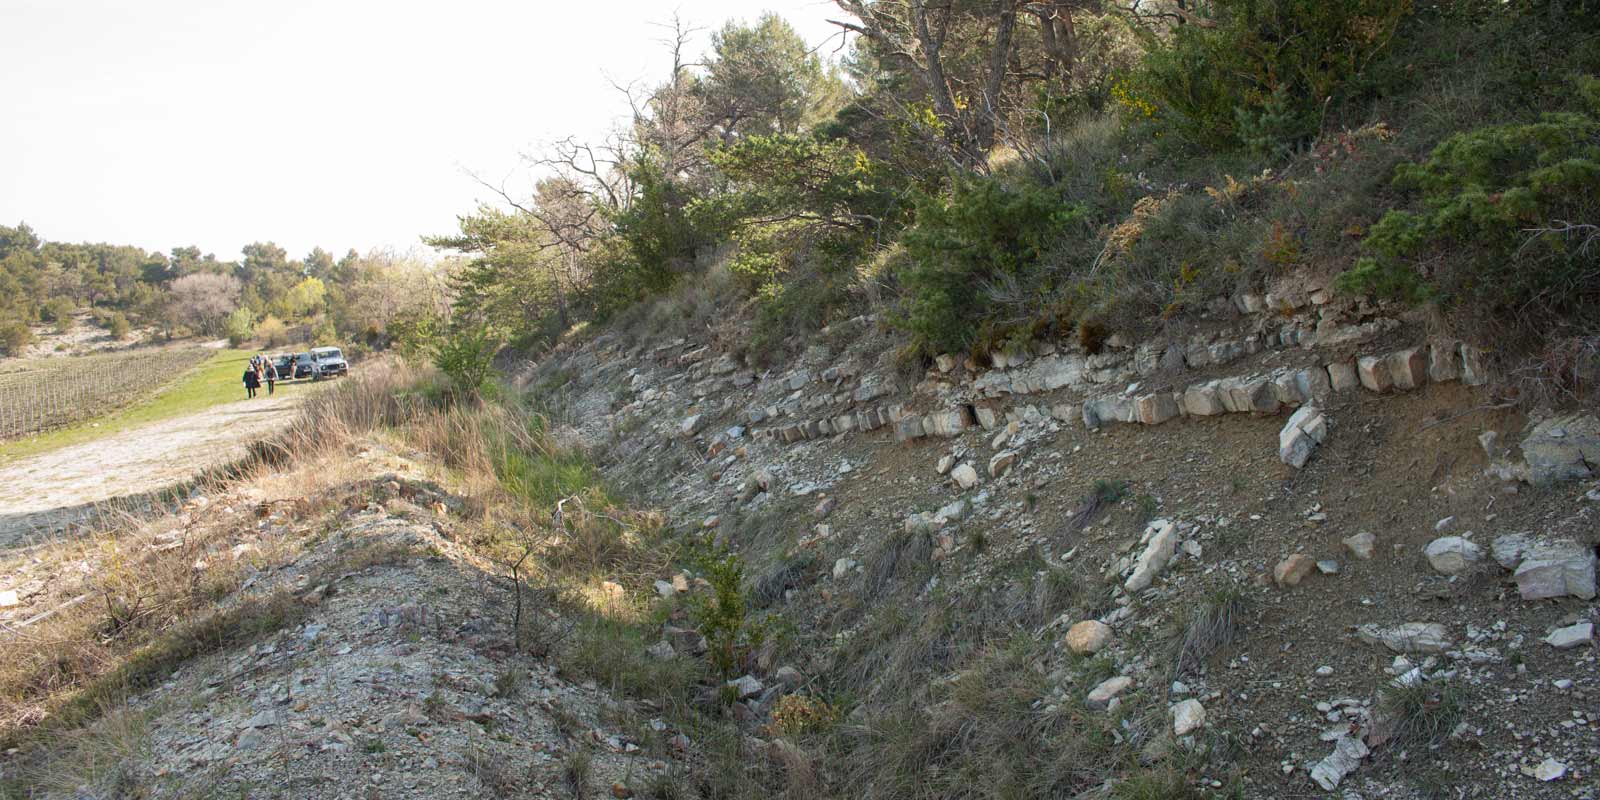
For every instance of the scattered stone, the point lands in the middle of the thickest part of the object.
(1328, 566)
(1088, 637)
(1442, 525)
(1342, 376)
(666, 589)
(1550, 770)
(1293, 569)
(1374, 373)
(1452, 555)
(1100, 696)
(945, 463)
(842, 567)
(747, 686)
(661, 650)
(1001, 462)
(1508, 549)
(1163, 544)
(1188, 717)
(1324, 671)
(1361, 545)
(789, 677)
(1347, 754)
(1571, 636)
(1409, 637)
(691, 425)
(1306, 428)
(8, 598)
(825, 507)
(1558, 570)
(965, 476)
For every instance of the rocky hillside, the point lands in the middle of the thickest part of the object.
(1291, 547)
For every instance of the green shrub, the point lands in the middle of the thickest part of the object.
(722, 617)
(15, 336)
(982, 231)
(466, 357)
(57, 310)
(1503, 226)
(240, 326)
(1262, 72)
(117, 325)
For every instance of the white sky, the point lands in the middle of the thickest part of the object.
(339, 123)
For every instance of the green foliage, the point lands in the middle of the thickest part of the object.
(722, 616)
(1262, 72)
(239, 326)
(58, 311)
(981, 231)
(117, 325)
(1503, 224)
(15, 336)
(272, 332)
(466, 357)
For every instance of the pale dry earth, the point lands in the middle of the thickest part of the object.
(43, 493)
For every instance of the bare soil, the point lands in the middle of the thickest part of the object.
(48, 492)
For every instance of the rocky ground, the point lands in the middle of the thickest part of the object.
(1395, 560)
(398, 676)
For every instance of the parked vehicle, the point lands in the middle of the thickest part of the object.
(328, 362)
(284, 364)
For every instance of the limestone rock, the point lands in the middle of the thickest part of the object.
(949, 423)
(842, 567)
(1374, 373)
(1001, 462)
(746, 686)
(1188, 717)
(1408, 368)
(945, 463)
(965, 476)
(1154, 409)
(1557, 570)
(1452, 555)
(1163, 544)
(1508, 549)
(1100, 696)
(1202, 400)
(1293, 569)
(1409, 637)
(1347, 754)
(691, 425)
(1342, 376)
(1305, 429)
(1361, 545)
(1088, 637)
(1562, 448)
(1571, 636)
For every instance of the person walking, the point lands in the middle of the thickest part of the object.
(252, 380)
(270, 372)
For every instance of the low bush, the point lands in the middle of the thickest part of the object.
(1501, 231)
(15, 336)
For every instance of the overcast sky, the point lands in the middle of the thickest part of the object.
(332, 123)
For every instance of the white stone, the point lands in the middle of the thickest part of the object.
(746, 686)
(965, 476)
(8, 598)
(1571, 636)
(1100, 696)
(1508, 549)
(1361, 545)
(1452, 555)
(1558, 570)
(1346, 756)
(945, 463)
(1374, 373)
(1163, 544)
(1550, 770)
(1001, 462)
(691, 425)
(1409, 637)
(1188, 717)
(842, 567)
(665, 588)
(1342, 376)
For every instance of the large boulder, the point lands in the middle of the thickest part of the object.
(1556, 570)
(1563, 448)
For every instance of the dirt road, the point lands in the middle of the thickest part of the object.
(42, 493)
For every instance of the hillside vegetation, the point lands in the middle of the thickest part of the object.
(985, 173)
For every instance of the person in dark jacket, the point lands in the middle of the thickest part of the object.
(270, 373)
(252, 380)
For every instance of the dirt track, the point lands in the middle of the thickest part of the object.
(41, 493)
